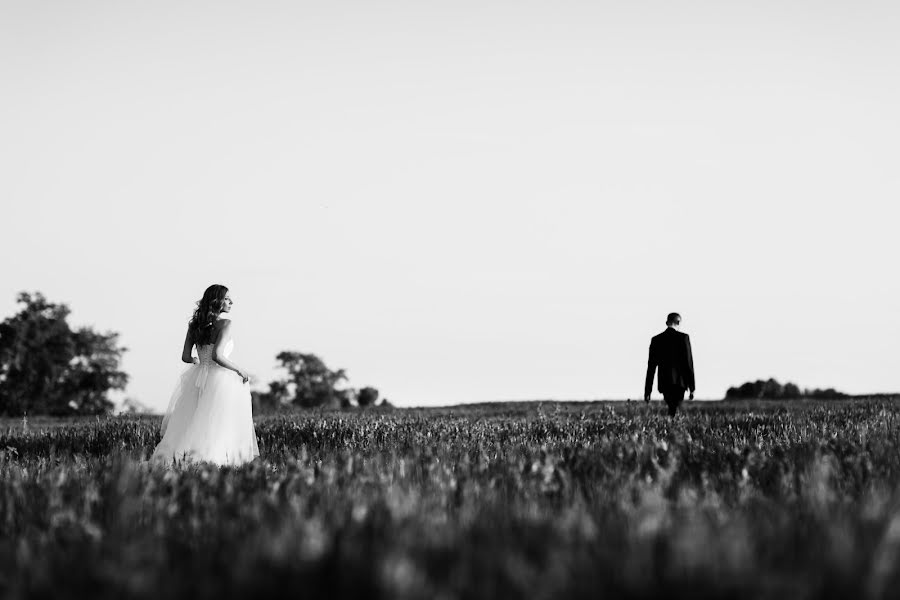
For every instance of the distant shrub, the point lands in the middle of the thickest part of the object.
(367, 396)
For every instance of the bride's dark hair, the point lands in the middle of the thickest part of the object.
(208, 309)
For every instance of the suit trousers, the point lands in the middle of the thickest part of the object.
(673, 397)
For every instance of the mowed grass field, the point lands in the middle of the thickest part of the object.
(536, 500)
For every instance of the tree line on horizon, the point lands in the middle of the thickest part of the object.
(771, 389)
(49, 368)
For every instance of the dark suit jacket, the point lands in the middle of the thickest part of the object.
(670, 352)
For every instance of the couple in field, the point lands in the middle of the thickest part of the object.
(210, 418)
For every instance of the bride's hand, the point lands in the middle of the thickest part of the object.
(244, 375)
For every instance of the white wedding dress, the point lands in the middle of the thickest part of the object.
(210, 416)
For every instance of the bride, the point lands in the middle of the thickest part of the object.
(209, 417)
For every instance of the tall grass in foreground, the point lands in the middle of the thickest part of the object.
(537, 501)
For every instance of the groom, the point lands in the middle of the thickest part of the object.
(670, 351)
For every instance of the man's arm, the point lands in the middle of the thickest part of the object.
(651, 370)
(690, 365)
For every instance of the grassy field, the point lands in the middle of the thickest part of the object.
(739, 500)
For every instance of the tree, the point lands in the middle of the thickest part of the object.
(772, 390)
(276, 396)
(769, 389)
(791, 390)
(131, 406)
(48, 368)
(309, 382)
(367, 396)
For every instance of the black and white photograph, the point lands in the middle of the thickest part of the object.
(459, 300)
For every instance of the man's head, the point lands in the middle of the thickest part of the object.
(673, 320)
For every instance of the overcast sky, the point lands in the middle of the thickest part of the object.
(463, 201)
